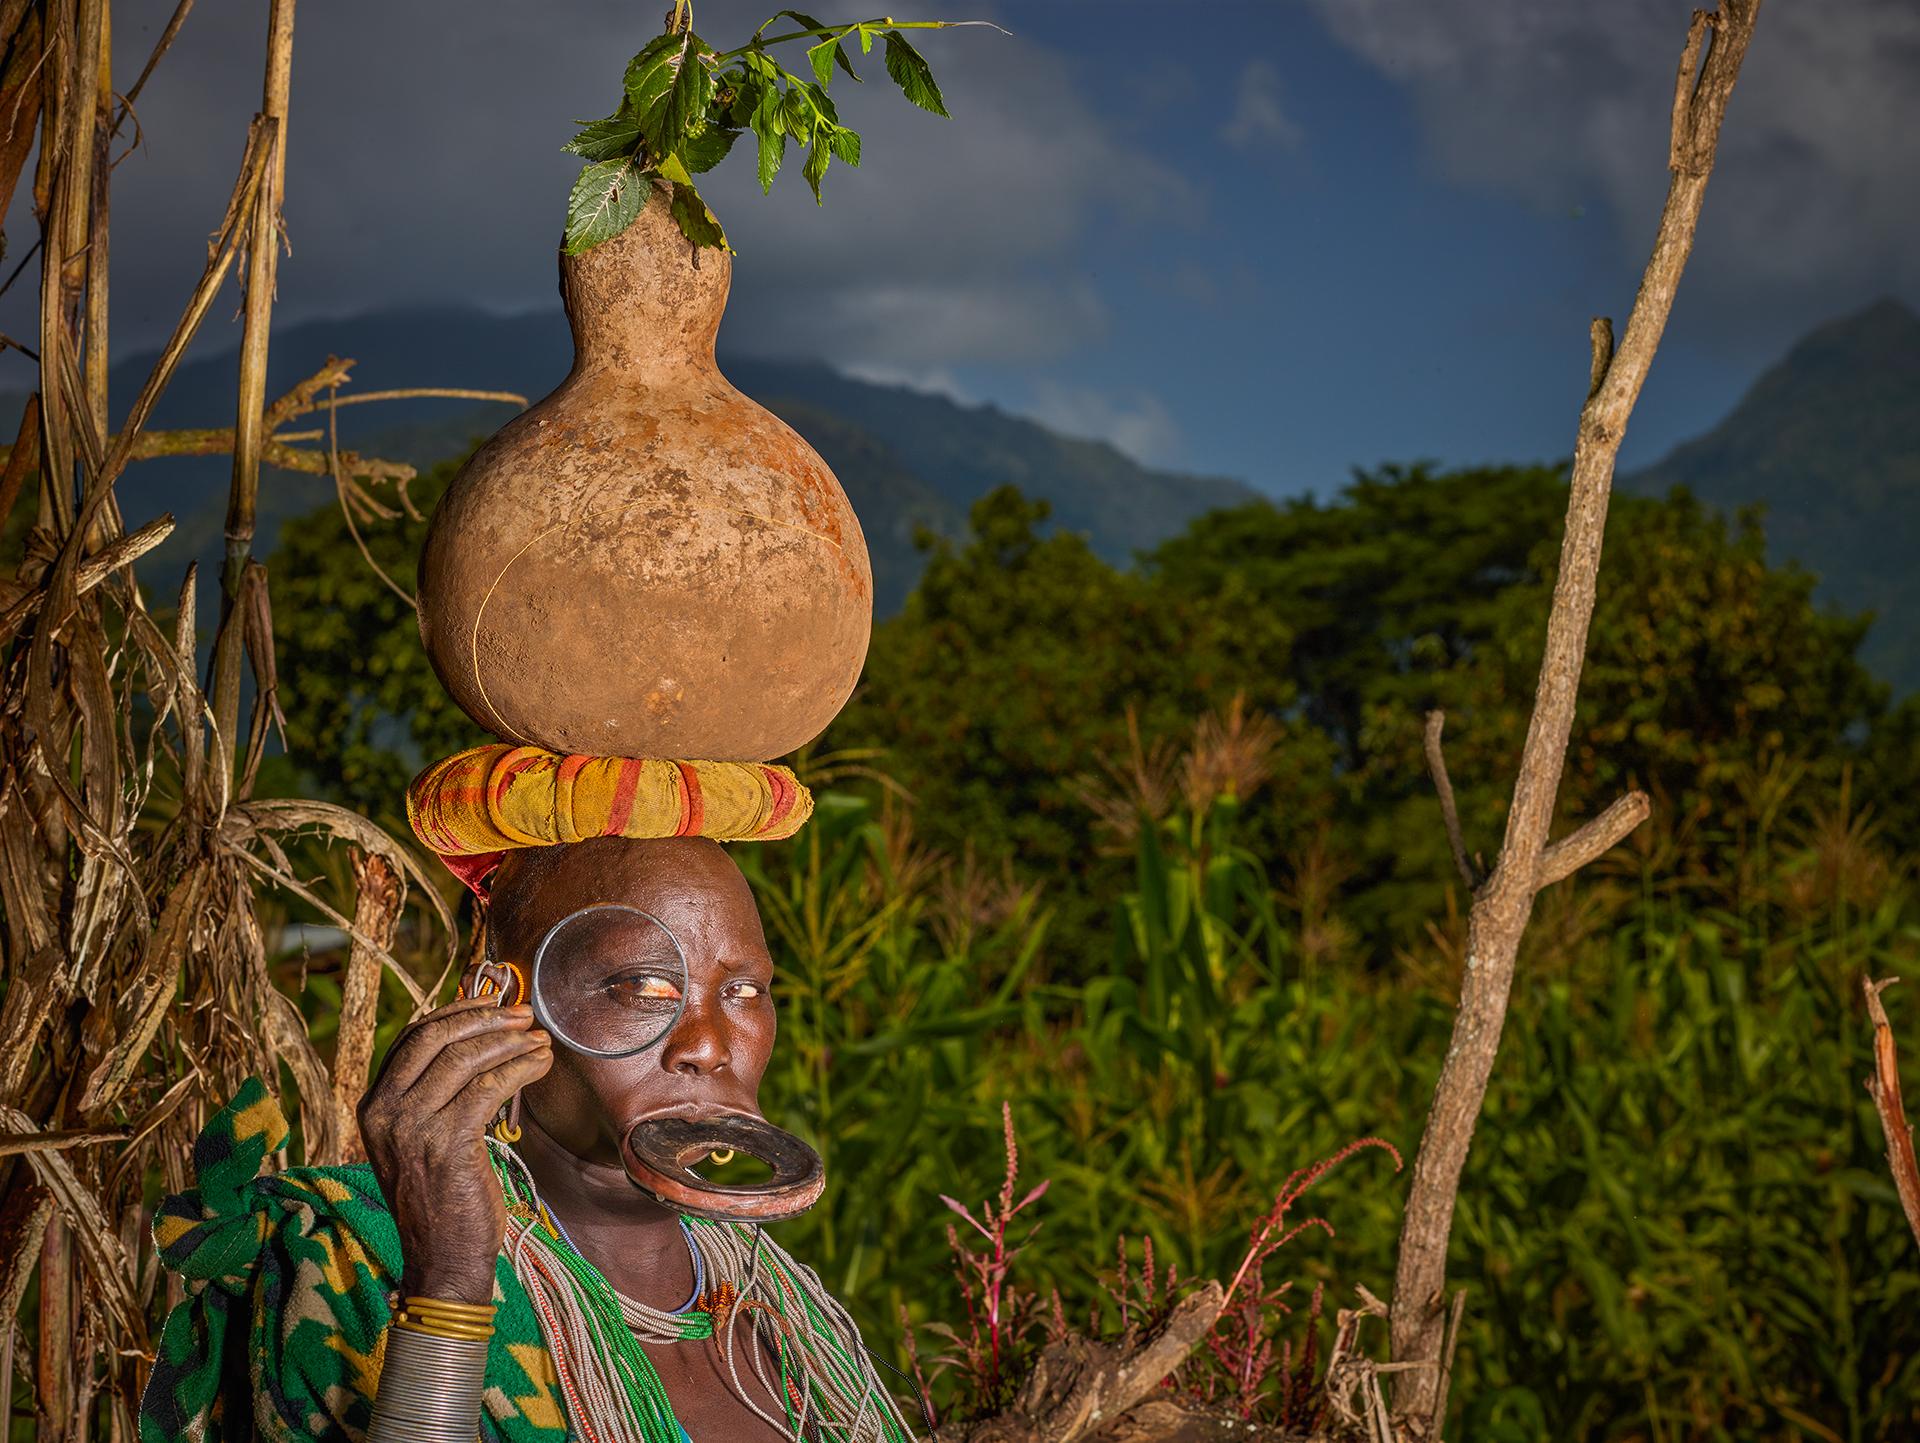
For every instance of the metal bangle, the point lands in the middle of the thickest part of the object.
(429, 1389)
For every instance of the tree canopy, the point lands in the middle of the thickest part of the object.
(1013, 689)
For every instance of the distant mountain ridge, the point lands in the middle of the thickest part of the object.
(1828, 441)
(907, 459)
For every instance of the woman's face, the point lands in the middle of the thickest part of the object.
(713, 1057)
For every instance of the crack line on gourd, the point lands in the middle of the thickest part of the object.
(473, 650)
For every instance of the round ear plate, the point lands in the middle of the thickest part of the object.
(660, 1152)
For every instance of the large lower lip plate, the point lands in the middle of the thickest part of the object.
(660, 1153)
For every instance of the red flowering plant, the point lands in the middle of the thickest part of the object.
(1248, 1363)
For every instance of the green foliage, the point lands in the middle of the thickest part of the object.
(684, 104)
(1012, 674)
(1676, 1222)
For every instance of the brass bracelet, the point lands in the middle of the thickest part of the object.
(466, 1312)
(441, 1328)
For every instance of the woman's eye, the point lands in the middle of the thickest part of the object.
(644, 987)
(748, 990)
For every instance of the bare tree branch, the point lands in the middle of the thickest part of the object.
(376, 909)
(1884, 1088)
(1504, 904)
(1593, 840)
(1449, 812)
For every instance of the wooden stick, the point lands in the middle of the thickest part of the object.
(375, 911)
(1502, 906)
(1884, 1088)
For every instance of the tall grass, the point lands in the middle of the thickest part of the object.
(1675, 1224)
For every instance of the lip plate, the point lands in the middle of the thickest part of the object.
(658, 1152)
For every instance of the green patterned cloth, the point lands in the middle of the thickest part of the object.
(290, 1278)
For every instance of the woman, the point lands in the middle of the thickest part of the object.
(532, 1288)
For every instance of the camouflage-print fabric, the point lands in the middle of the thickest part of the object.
(289, 1277)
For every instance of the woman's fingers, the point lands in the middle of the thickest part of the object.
(461, 1061)
(421, 1045)
(482, 1097)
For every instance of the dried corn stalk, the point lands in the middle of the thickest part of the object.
(138, 990)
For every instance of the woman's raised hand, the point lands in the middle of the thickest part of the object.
(423, 1122)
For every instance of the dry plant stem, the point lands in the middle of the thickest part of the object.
(21, 458)
(1884, 1088)
(56, 1141)
(243, 495)
(101, 133)
(375, 911)
(91, 572)
(160, 48)
(57, 451)
(1437, 1422)
(21, 86)
(1503, 905)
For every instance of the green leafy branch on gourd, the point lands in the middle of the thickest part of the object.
(685, 104)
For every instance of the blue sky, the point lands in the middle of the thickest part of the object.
(1272, 240)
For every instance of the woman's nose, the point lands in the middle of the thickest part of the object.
(699, 1042)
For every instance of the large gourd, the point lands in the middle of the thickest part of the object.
(647, 563)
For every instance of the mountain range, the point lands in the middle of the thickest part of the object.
(907, 459)
(1827, 441)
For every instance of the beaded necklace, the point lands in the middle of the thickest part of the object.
(826, 1383)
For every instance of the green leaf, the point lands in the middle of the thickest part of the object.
(617, 135)
(826, 55)
(845, 143)
(696, 222)
(606, 199)
(866, 42)
(822, 57)
(819, 157)
(822, 103)
(911, 74)
(773, 150)
(685, 101)
(797, 115)
(650, 73)
(773, 141)
(706, 150)
(800, 18)
(675, 169)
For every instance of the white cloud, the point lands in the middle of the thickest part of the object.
(1818, 183)
(1260, 119)
(1138, 423)
(928, 381)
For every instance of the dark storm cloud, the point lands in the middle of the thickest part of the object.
(1817, 194)
(424, 165)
